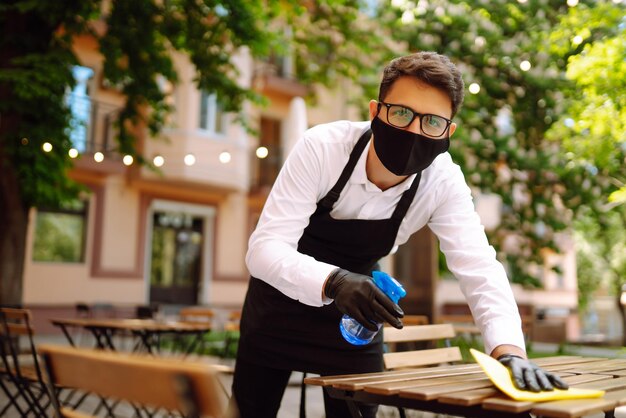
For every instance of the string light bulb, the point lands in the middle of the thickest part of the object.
(262, 152)
(47, 147)
(128, 160)
(225, 157)
(73, 153)
(189, 160)
(158, 161)
(474, 88)
(98, 157)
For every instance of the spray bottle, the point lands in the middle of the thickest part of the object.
(357, 334)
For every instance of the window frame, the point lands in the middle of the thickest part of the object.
(84, 216)
(213, 118)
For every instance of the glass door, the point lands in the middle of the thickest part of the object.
(176, 259)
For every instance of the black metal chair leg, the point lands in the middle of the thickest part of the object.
(401, 412)
(303, 398)
(13, 397)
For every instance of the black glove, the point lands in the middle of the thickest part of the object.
(356, 295)
(528, 376)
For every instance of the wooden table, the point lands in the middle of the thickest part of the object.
(465, 390)
(148, 331)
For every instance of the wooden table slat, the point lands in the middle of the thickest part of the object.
(614, 373)
(546, 361)
(406, 373)
(575, 408)
(433, 392)
(598, 365)
(468, 397)
(577, 379)
(606, 384)
(506, 404)
(609, 370)
(390, 388)
(360, 384)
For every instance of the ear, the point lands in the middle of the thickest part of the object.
(373, 109)
(452, 129)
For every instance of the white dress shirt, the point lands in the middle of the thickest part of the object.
(443, 202)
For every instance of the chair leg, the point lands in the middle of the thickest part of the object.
(13, 397)
(34, 401)
(401, 412)
(303, 398)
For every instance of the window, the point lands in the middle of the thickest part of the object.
(265, 170)
(60, 234)
(80, 106)
(212, 116)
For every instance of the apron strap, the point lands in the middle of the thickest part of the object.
(331, 197)
(407, 198)
(328, 201)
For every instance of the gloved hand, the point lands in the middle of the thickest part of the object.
(356, 295)
(528, 376)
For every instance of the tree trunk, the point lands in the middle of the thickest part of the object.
(21, 34)
(13, 227)
(13, 220)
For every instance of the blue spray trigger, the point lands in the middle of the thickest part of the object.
(390, 286)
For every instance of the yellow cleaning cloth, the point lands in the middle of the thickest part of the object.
(501, 377)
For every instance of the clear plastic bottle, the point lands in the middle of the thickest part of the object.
(355, 333)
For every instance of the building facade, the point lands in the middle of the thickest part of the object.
(174, 233)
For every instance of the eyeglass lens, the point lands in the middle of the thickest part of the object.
(402, 117)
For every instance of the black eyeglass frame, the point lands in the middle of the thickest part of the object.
(415, 115)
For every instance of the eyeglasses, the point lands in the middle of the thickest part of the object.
(402, 116)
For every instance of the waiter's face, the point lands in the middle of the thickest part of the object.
(417, 96)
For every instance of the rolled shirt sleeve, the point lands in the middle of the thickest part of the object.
(473, 262)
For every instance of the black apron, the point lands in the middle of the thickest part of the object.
(280, 332)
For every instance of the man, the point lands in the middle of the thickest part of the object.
(348, 193)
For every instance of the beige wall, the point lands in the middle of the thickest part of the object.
(68, 283)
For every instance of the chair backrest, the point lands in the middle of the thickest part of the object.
(82, 310)
(146, 311)
(234, 318)
(415, 320)
(15, 329)
(196, 314)
(175, 385)
(417, 358)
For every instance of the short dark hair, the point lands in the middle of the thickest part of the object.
(433, 69)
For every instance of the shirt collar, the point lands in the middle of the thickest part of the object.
(359, 176)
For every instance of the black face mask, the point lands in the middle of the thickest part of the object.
(403, 152)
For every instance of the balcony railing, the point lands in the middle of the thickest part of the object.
(93, 125)
(276, 77)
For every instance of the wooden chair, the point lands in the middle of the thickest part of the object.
(231, 328)
(190, 388)
(20, 363)
(419, 358)
(414, 320)
(196, 314)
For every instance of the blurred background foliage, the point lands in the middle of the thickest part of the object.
(543, 123)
